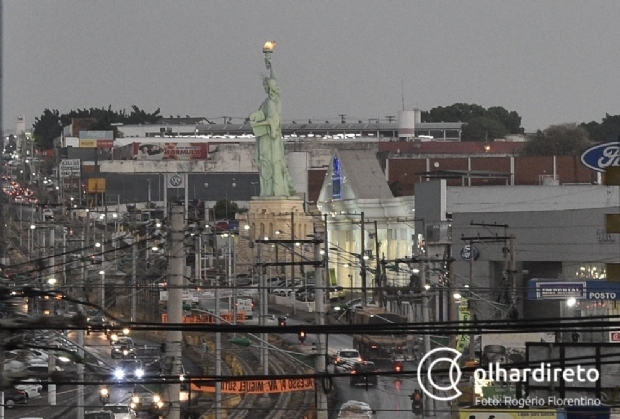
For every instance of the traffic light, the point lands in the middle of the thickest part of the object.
(302, 336)
(417, 405)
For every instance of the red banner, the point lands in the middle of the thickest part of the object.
(170, 151)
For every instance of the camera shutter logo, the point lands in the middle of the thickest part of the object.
(454, 373)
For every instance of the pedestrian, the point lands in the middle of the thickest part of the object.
(203, 349)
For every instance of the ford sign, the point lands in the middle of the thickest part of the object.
(602, 156)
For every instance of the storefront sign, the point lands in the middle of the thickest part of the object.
(583, 290)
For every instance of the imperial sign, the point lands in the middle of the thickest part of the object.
(602, 156)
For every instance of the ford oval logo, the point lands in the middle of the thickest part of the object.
(602, 156)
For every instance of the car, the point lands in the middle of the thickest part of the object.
(99, 414)
(121, 340)
(18, 199)
(304, 289)
(13, 396)
(355, 410)
(287, 289)
(360, 374)
(32, 387)
(122, 411)
(146, 401)
(129, 369)
(345, 358)
(336, 292)
(307, 297)
(122, 351)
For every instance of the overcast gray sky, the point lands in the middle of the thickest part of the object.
(550, 61)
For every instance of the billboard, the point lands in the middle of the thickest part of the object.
(96, 139)
(170, 151)
(69, 168)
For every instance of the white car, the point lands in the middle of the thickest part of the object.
(122, 411)
(355, 410)
(345, 358)
(32, 388)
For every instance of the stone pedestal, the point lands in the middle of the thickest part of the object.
(275, 218)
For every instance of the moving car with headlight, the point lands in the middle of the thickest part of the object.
(345, 358)
(122, 411)
(129, 370)
(123, 352)
(363, 373)
(118, 345)
(145, 401)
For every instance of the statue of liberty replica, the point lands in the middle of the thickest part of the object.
(275, 179)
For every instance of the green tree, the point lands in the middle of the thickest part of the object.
(558, 140)
(480, 117)
(482, 129)
(47, 127)
(225, 209)
(607, 130)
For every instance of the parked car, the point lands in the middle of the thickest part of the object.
(287, 289)
(306, 297)
(336, 292)
(359, 374)
(32, 388)
(13, 396)
(304, 289)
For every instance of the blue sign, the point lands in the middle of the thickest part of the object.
(336, 179)
(466, 253)
(581, 290)
(602, 156)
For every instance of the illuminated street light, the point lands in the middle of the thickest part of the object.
(51, 281)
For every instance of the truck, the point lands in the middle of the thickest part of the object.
(507, 348)
(381, 347)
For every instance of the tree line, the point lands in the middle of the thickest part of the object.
(480, 125)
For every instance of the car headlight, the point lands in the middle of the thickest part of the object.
(104, 392)
(156, 398)
(135, 399)
(132, 405)
(119, 374)
(139, 373)
(160, 404)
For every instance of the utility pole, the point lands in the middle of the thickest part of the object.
(134, 282)
(174, 338)
(429, 403)
(320, 320)
(363, 263)
(378, 271)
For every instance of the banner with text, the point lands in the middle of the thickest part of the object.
(170, 151)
